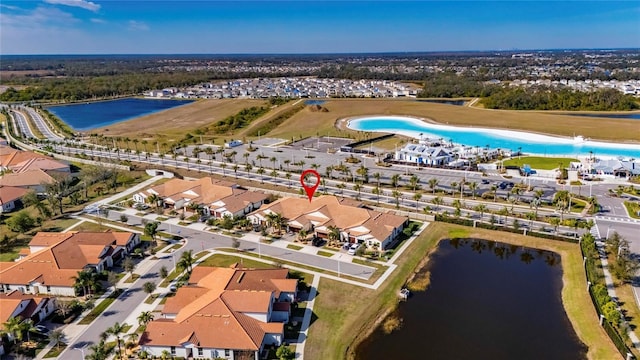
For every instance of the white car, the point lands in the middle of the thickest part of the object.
(353, 248)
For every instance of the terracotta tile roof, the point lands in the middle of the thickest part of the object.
(28, 178)
(11, 157)
(7, 308)
(60, 261)
(49, 238)
(247, 301)
(11, 193)
(212, 314)
(326, 211)
(41, 163)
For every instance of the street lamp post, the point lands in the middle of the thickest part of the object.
(339, 257)
(81, 351)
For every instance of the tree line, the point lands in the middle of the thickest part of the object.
(548, 98)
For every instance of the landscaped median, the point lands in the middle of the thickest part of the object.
(102, 306)
(347, 314)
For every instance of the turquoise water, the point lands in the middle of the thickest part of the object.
(528, 142)
(102, 113)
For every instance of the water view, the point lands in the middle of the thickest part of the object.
(529, 143)
(486, 300)
(102, 113)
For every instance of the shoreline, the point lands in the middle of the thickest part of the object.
(536, 137)
(565, 250)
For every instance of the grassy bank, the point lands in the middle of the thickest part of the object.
(342, 313)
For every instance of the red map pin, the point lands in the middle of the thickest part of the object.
(310, 189)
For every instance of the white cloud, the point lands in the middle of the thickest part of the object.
(98, 21)
(138, 26)
(40, 16)
(9, 7)
(87, 5)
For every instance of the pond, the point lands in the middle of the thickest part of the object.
(486, 300)
(92, 115)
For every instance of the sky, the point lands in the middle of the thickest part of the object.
(244, 27)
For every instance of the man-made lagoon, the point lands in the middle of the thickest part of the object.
(92, 115)
(486, 300)
(529, 143)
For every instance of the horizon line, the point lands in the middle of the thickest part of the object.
(334, 53)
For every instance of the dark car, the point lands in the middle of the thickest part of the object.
(317, 241)
(485, 181)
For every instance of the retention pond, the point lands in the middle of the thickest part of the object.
(486, 300)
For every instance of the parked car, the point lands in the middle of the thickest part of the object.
(485, 181)
(317, 242)
(42, 329)
(353, 248)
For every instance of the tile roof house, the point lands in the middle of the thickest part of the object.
(20, 161)
(356, 223)
(218, 198)
(229, 313)
(18, 305)
(9, 196)
(53, 259)
(30, 179)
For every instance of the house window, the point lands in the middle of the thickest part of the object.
(48, 288)
(173, 351)
(227, 353)
(28, 288)
(200, 352)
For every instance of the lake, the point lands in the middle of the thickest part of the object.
(529, 143)
(486, 300)
(93, 115)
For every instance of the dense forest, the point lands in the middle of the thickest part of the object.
(545, 98)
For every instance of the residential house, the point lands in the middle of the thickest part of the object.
(217, 198)
(223, 313)
(34, 179)
(425, 154)
(355, 222)
(25, 306)
(20, 161)
(9, 197)
(53, 259)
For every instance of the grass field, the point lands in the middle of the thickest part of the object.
(174, 123)
(539, 162)
(342, 314)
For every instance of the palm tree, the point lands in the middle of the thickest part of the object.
(376, 191)
(481, 208)
(395, 180)
(413, 181)
(56, 337)
(260, 172)
(358, 188)
(555, 222)
(28, 327)
(494, 190)
(504, 212)
(531, 216)
(454, 186)
(287, 162)
(341, 186)
(473, 186)
(100, 351)
(247, 168)
(437, 201)
(224, 166)
(116, 330)
(396, 195)
(85, 280)
(328, 171)
(377, 176)
(333, 234)
(433, 182)
(288, 176)
(417, 197)
(12, 326)
(186, 261)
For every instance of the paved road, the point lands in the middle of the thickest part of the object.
(42, 125)
(20, 120)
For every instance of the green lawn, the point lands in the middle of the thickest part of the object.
(633, 208)
(325, 253)
(294, 247)
(55, 351)
(102, 306)
(539, 163)
(227, 260)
